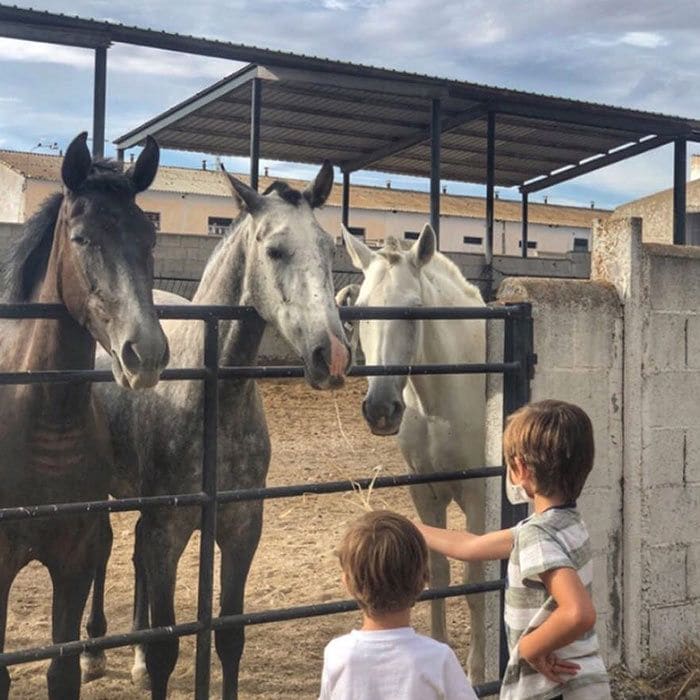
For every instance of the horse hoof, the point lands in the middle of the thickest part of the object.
(140, 677)
(93, 666)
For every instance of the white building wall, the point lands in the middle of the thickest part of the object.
(11, 195)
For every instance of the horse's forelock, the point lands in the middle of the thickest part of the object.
(287, 193)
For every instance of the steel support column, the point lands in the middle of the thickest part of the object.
(523, 238)
(345, 212)
(490, 183)
(255, 102)
(98, 109)
(435, 133)
(679, 163)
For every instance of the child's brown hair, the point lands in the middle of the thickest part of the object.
(554, 439)
(385, 562)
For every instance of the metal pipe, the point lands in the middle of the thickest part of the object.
(490, 184)
(236, 313)
(99, 100)
(435, 134)
(255, 103)
(523, 239)
(208, 521)
(194, 499)
(679, 164)
(345, 212)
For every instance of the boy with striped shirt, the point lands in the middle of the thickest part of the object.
(549, 613)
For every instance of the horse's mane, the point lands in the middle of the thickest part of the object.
(24, 263)
(437, 270)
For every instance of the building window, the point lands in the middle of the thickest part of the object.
(531, 245)
(358, 231)
(154, 218)
(472, 240)
(580, 245)
(219, 225)
(411, 235)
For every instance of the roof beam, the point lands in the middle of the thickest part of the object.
(82, 38)
(407, 142)
(596, 163)
(153, 126)
(636, 124)
(351, 82)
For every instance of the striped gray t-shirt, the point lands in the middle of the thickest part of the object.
(554, 539)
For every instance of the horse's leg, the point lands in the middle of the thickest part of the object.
(165, 536)
(432, 510)
(473, 503)
(71, 585)
(139, 673)
(8, 571)
(238, 532)
(94, 663)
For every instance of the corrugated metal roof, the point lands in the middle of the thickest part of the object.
(211, 182)
(307, 117)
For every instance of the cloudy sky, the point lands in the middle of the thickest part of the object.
(642, 54)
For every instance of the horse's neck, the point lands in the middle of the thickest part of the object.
(61, 344)
(224, 282)
(446, 342)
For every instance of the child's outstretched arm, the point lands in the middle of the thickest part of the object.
(573, 617)
(466, 545)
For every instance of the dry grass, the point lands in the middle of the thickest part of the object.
(672, 677)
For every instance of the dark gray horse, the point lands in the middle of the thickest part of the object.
(277, 259)
(89, 248)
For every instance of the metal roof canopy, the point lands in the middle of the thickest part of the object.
(303, 108)
(384, 123)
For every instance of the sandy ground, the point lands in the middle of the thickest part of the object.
(294, 564)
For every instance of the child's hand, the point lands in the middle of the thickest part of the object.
(553, 668)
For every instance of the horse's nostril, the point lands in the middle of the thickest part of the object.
(318, 357)
(129, 356)
(396, 409)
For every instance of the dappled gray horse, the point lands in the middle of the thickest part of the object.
(277, 259)
(90, 249)
(440, 418)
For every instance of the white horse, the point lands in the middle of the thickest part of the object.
(439, 418)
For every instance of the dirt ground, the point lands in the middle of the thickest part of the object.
(294, 564)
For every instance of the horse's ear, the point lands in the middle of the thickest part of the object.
(316, 193)
(248, 198)
(423, 249)
(347, 296)
(144, 170)
(76, 163)
(360, 255)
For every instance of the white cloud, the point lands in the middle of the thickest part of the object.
(645, 40)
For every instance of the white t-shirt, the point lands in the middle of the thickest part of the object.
(395, 664)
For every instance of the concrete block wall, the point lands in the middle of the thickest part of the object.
(660, 288)
(578, 336)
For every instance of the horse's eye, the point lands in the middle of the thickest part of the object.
(79, 240)
(276, 253)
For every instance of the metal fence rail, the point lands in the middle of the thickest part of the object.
(516, 369)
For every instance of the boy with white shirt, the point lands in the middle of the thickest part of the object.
(385, 567)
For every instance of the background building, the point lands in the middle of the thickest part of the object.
(198, 201)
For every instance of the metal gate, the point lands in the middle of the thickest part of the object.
(516, 368)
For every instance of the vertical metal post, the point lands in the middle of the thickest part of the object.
(490, 184)
(345, 212)
(98, 108)
(208, 525)
(255, 102)
(517, 347)
(120, 155)
(523, 238)
(679, 162)
(435, 134)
